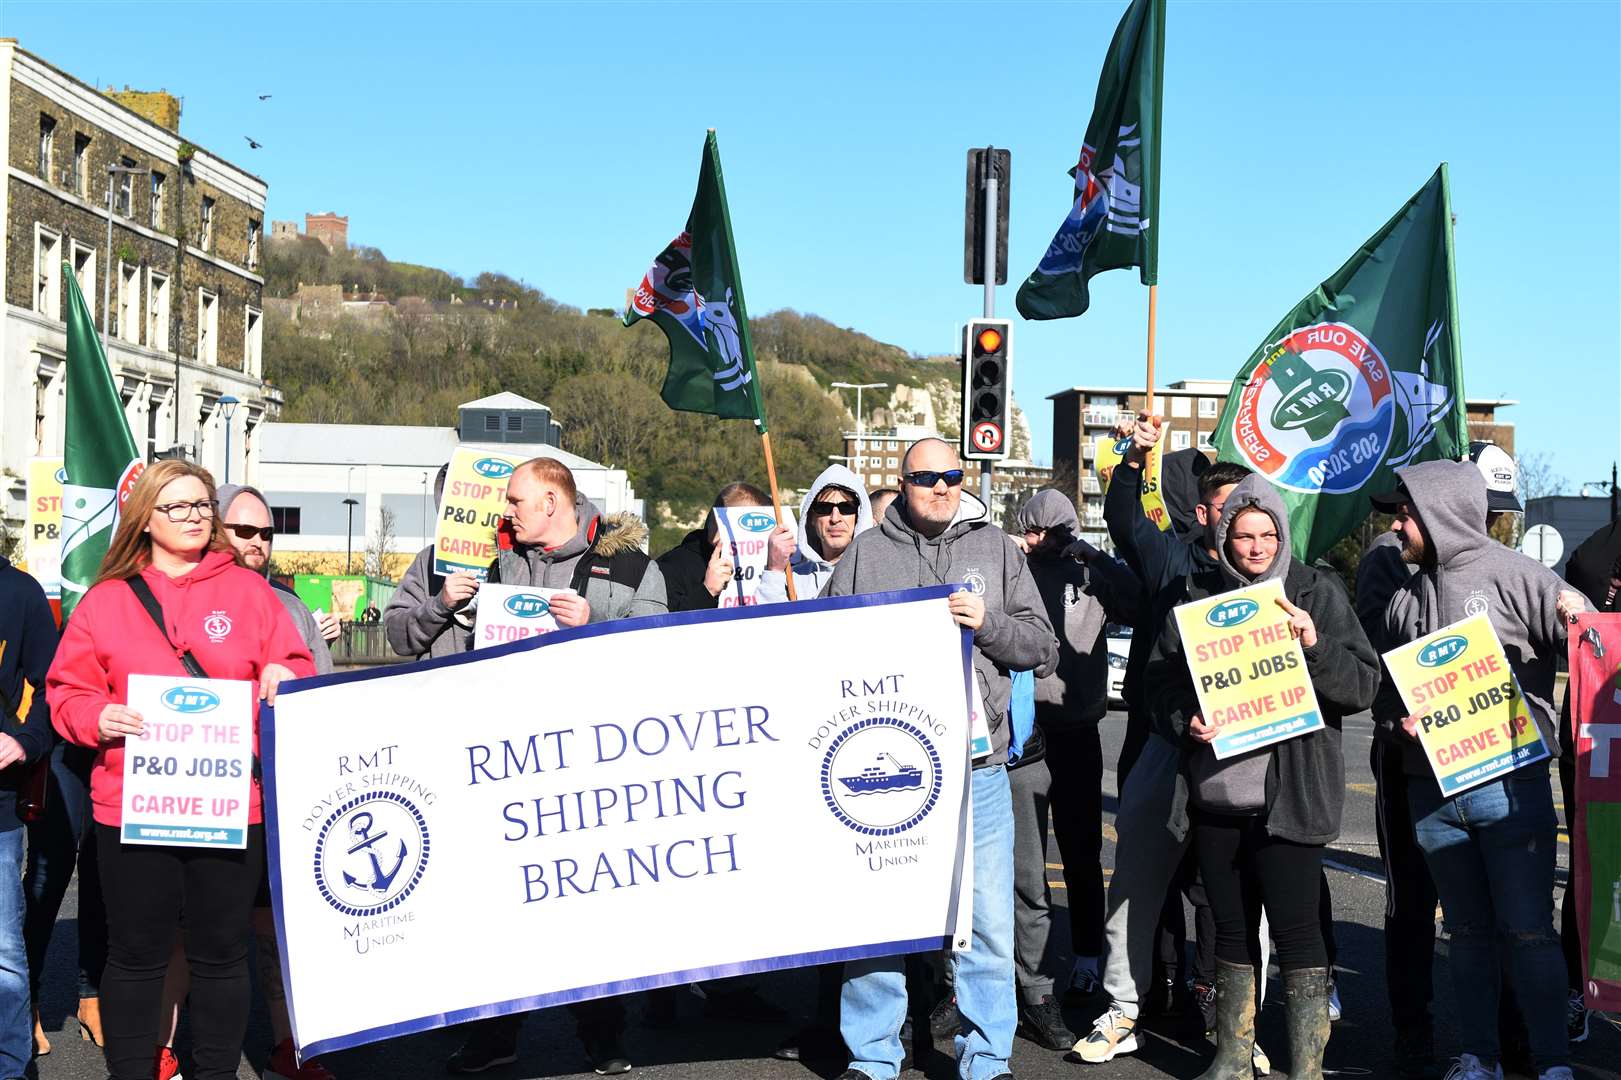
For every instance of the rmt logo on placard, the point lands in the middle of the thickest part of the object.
(1443, 650)
(527, 605)
(757, 522)
(191, 699)
(492, 468)
(1231, 613)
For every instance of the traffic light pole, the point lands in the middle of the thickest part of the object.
(989, 264)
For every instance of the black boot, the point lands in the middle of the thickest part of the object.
(1235, 1023)
(1305, 997)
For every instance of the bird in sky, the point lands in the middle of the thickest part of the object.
(264, 97)
(252, 144)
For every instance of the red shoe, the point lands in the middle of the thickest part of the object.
(285, 1065)
(165, 1066)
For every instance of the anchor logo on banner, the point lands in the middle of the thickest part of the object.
(371, 853)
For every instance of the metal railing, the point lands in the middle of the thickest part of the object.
(363, 643)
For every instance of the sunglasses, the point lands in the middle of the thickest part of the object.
(928, 477)
(248, 532)
(823, 509)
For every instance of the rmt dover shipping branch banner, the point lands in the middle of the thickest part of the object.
(617, 807)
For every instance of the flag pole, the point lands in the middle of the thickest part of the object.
(1153, 295)
(776, 503)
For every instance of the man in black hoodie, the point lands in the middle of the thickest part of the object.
(696, 571)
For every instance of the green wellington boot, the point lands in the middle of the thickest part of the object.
(1305, 997)
(1235, 1023)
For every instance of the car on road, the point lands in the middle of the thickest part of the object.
(1118, 640)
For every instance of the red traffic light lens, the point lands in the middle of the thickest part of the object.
(990, 339)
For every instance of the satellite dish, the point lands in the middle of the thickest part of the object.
(1544, 544)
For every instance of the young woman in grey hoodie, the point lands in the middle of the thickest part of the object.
(1261, 820)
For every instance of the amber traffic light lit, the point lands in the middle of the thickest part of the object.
(990, 339)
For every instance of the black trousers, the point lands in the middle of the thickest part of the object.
(57, 843)
(1075, 801)
(151, 893)
(1409, 893)
(1244, 868)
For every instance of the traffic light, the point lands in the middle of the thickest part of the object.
(987, 388)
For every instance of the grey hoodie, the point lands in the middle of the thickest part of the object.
(606, 537)
(810, 569)
(297, 610)
(1015, 635)
(1081, 600)
(1302, 792)
(417, 623)
(1467, 572)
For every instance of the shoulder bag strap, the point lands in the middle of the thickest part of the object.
(143, 593)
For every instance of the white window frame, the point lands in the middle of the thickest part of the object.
(1204, 441)
(208, 326)
(47, 144)
(893, 463)
(253, 244)
(1180, 440)
(87, 276)
(1181, 407)
(205, 225)
(81, 164)
(253, 333)
(124, 194)
(157, 311)
(154, 217)
(47, 283)
(1209, 408)
(128, 302)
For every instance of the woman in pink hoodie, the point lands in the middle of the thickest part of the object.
(225, 615)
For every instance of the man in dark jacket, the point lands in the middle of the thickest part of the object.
(1061, 768)
(426, 618)
(27, 644)
(696, 571)
(924, 539)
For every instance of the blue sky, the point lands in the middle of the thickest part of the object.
(559, 143)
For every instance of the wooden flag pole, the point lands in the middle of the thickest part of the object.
(1153, 295)
(776, 505)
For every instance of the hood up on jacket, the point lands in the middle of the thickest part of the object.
(1179, 487)
(226, 494)
(838, 476)
(1254, 492)
(1450, 497)
(1049, 508)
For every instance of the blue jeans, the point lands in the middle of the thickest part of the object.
(1491, 851)
(16, 1013)
(872, 1006)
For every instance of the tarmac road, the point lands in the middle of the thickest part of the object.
(702, 1048)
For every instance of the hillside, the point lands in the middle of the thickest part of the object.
(415, 365)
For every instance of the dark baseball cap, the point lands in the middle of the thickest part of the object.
(1390, 502)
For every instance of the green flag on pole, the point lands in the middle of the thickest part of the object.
(1365, 375)
(1114, 222)
(694, 293)
(100, 459)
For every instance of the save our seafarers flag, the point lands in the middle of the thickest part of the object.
(1474, 724)
(100, 461)
(1595, 713)
(1361, 377)
(1248, 669)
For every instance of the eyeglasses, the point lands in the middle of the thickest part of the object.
(248, 532)
(823, 509)
(928, 477)
(181, 511)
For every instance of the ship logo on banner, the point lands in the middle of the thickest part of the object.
(371, 853)
(881, 776)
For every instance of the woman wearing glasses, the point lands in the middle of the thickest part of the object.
(169, 537)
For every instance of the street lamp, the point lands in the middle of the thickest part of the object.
(424, 505)
(228, 406)
(858, 387)
(349, 544)
(107, 271)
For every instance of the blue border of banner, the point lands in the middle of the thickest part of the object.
(267, 751)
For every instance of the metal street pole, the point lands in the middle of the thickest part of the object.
(424, 524)
(228, 405)
(860, 458)
(349, 544)
(990, 237)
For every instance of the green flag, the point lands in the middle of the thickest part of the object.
(1365, 375)
(100, 457)
(695, 295)
(1114, 222)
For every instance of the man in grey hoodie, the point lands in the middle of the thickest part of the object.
(924, 539)
(1491, 849)
(427, 616)
(833, 513)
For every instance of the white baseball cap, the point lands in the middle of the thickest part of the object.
(1502, 477)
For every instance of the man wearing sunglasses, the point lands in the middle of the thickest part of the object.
(931, 536)
(834, 511)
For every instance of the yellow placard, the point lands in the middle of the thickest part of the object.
(1473, 721)
(1248, 669)
(474, 500)
(42, 539)
(1105, 458)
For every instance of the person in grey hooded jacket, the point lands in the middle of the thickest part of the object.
(1261, 819)
(427, 616)
(1491, 849)
(925, 539)
(826, 529)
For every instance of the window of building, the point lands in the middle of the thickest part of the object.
(253, 347)
(79, 178)
(47, 144)
(253, 244)
(894, 444)
(155, 217)
(157, 311)
(1204, 441)
(208, 327)
(47, 272)
(128, 311)
(1180, 440)
(124, 198)
(1181, 407)
(893, 463)
(892, 480)
(84, 268)
(492, 422)
(205, 225)
(514, 421)
(285, 519)
(1209, 407)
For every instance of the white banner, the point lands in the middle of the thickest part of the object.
(617, 807)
